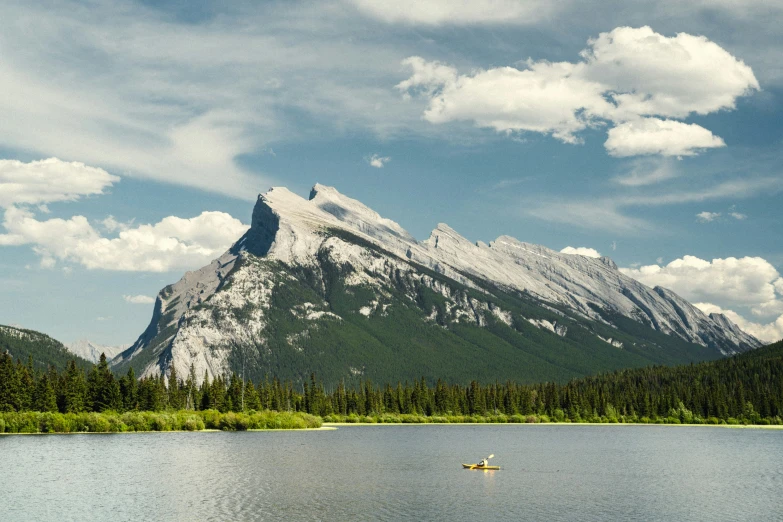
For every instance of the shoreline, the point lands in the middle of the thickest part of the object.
(730, 426)
(206, 430)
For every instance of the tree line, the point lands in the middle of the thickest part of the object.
(746, 388)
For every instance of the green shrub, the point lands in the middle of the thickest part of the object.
(193, 423)
(211, 419)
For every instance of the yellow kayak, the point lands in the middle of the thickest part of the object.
(476, 466)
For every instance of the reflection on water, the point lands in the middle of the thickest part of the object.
(398, 472)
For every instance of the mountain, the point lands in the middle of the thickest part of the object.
(92, 351)
(45, 351)
(326, 284)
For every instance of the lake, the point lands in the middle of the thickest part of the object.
(549, 472)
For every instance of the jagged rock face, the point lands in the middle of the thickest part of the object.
(314, 256)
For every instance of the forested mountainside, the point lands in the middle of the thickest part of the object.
(23, 344)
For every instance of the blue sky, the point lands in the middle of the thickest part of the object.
(135, 138)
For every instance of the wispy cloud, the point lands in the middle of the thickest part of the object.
(647, 171)
(450, 12)
(124, 88)
(611, 212)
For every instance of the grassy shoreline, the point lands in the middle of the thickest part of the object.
(141, 422)
(686, 419)
(213, 420)
(558, 424)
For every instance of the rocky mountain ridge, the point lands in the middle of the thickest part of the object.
(345, 263)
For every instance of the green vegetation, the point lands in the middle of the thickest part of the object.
(744, 389)
(182, 420)
(40, 349)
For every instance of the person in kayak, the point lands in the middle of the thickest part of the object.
(484, 462)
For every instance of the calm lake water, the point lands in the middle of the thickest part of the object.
(398, 472)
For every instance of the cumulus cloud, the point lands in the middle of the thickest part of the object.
(582, 251)
(378, 161)
(171, 244)
(550, 98)
(665, 137)
(625, 77)
(724, 285)
(738, 216)
(48, 181)
(457, 12)
(747, 280)
(706, 217)
(653, 74)
(138, 299)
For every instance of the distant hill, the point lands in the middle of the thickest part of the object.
(91, 351)
(45, 351)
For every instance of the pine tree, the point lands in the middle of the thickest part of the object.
(74, 389)
(44, 397)
(9, 384)
(129, 390)
(103, 391)
(174, 395)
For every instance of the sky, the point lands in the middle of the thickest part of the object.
(136, 136)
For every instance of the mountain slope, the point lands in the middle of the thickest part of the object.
(328, 285)
(45, 351)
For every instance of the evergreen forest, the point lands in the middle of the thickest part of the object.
(744, 389)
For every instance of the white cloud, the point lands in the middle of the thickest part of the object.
(706, 217)
(738, 216)
(665, 137)
(378, 161)
(624, 75)
(549, 98)
(723, 286)
(138, 299)
(582, 251)
(171, 244)
(652, 74)
(747, 280)
(111, 224)
(458, 12)
(49, 180)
